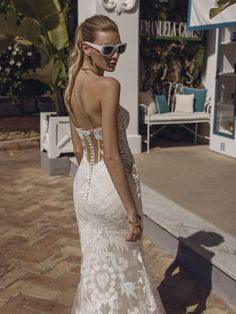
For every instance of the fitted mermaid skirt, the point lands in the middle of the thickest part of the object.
(114, 279)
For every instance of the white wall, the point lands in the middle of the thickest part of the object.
(86, 8)
(210, 74)
(209, 77)
(127, 71)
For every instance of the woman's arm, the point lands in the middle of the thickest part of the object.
(110, 94)
(77, 145)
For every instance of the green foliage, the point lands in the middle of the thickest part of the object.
(11, 65)
(14, 62)
(163, 9)
(180, 61)
(39, 29)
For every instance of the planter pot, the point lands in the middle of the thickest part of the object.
(44, 104)
(29, 106)
(55, 135)
(7, 108)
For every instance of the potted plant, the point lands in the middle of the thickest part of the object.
(43, 27)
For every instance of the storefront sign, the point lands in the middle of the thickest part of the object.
(168, 30)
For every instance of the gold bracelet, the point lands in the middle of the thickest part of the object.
(132, 223)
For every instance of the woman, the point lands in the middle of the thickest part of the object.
(106, 188)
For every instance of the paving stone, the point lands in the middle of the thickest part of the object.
(69, 248)
(67, 310)
(7, 267)
(54, 259)
(11, 277)
(192, 308)
(67, 280)
(215, 311)
(2, 303)
(169, 301)
(14, 289)
(184, 289)
(215, 300)
(29, 144)
(75, 269)
(73, 259)
(9, 146)
(174, 311)
(33, 267)
(13, 304)
(38, 279)
(45, 241)
(59, 269)
(23, 302)
(39, 291)
(31, 254)
(68, 296)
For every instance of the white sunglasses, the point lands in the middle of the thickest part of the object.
(108, 49)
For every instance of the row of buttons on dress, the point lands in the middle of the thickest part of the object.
(91, 164)
(86, 135)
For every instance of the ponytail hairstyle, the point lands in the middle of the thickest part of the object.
(86, 31)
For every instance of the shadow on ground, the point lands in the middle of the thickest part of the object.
(181, 294)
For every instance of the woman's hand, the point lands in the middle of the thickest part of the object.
(135, 228)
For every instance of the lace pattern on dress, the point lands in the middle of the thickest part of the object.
(114, 279)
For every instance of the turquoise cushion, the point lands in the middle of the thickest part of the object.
(161, 103)
(199, 97)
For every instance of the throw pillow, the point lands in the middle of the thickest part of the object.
(184, 103)
(199, 97)
(147, 99)
(161, 103)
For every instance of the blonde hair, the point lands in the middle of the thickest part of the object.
(86, 31)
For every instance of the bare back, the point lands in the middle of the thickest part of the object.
(85, 105)
(85, 102)
(94, 101)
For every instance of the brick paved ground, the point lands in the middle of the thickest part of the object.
(40, 250)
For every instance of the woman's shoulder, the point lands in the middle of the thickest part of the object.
(109, 92)
(108, 82)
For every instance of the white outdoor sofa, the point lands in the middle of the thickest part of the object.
(149, 119)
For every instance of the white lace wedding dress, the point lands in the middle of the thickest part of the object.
(114, 279)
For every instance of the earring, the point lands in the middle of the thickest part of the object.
(90, 60)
